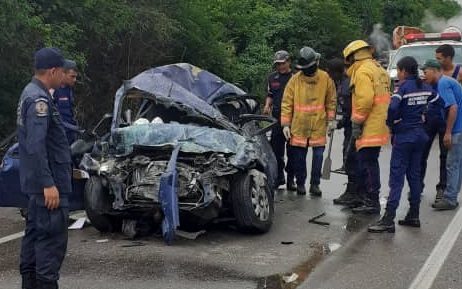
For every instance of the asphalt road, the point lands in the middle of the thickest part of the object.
(341, 255)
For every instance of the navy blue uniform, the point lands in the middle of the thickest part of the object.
(405, 119)
(64, 100)
(45, 161)
(276, 85)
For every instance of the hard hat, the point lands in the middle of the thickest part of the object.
(308, 57)
(281, 56)
(354, 46)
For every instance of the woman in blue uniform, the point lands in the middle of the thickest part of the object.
(406, 122)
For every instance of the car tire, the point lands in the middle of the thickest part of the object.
(252, 202)
(97, 204)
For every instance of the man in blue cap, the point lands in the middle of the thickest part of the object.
(64, 99)
(45, 173)
(451, 93)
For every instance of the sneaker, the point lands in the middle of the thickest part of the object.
(315, 191)
(439, 195)
(444, 205)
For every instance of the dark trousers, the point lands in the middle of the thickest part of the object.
(279, 145)
(297, 157)
(45, 241)
(434, 128)
(369, 174)
(351, 162)
(405, 161)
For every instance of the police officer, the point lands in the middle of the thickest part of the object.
(336, 70)
(370, 87)
(276, 84)
(45, 173)
(64, 99)
(405, 119)
(308, 111)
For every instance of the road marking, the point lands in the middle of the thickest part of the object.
(439, 254)
(18, 235)
(11, 237)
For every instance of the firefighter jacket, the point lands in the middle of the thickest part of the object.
(308, 103)
(370, 86)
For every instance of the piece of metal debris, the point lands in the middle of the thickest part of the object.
(290, 278)
(189, 235)
(102, 241)
(134, 244)
(78, 225)
(287, 242)
(314, 220)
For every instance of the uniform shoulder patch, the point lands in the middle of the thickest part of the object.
(41, 107)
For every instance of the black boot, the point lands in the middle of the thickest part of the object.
(369, 207)
(439, 194)
(386, 224)
(411, 219)
(291, 184)
(349, 197)
(29, 281)
(47, 284)
(315, 191)
(301, 190)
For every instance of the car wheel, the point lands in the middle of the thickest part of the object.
(97, 203)
(253, 203)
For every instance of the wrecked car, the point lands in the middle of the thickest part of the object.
(185, 148)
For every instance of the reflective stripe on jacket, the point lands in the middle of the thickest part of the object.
(307, 105)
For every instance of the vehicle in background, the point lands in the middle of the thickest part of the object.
(412, 41)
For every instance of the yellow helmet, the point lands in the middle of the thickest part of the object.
(354, 46)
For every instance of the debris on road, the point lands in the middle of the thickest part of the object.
(133, 244)
(314, 220)
(78, 224)
(102, 241)
(290, 278)
(287, 242)
(190, 235)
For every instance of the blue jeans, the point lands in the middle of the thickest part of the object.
(454, 169)
(297, 158)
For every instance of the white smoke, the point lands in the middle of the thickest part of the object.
(436, 24)
(380, 41)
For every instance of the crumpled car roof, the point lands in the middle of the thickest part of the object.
(182, 83)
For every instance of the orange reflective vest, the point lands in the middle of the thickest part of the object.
(370, 87)
(307, 104)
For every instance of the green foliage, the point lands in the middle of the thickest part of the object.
(113, 40)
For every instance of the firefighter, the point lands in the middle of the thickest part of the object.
(336, 69)
(277, 82)
(308, 109)
(405, 119)
(370, 87)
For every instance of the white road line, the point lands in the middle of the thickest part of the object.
(21, 234)
(11, 237)
(431, 268)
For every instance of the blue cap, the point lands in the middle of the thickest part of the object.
(48, 57)
(69, 64)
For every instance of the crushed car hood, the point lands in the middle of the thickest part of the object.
(191, 139)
